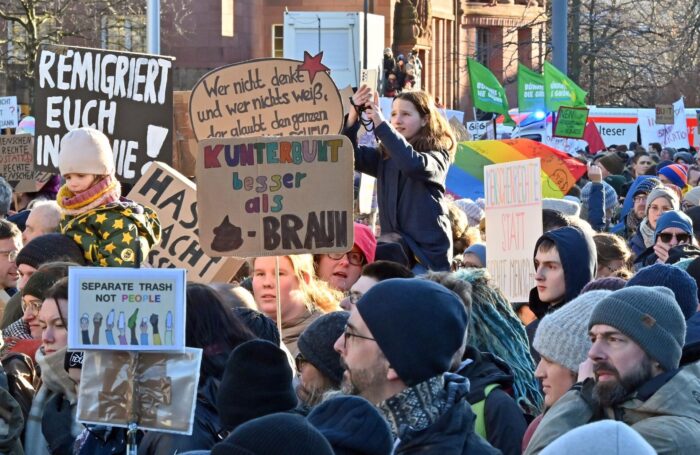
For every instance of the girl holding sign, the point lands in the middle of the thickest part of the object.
(411, 163)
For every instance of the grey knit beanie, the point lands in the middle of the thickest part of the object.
(565, 206)
(562, 336)
(662, 191)
(648, 315)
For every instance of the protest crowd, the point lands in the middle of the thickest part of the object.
(401, 343)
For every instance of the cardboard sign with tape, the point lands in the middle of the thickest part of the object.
(174, 198)
(275, 196)
(266, 97)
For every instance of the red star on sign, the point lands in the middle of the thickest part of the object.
(312, 64)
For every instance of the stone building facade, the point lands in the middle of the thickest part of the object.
(214, 33)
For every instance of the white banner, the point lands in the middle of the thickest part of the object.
(675, 135)
(514, 223)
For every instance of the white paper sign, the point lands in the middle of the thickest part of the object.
(126, 309)
(366, 193)
(8, 112)
(513, 224)
(675, 135)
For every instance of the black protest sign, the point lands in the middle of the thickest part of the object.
(127, 96)
(17, 158)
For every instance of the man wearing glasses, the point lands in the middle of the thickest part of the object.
(397, 346)
(673, 229)
(10, 244)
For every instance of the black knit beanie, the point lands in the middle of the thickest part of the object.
(42, 280)
(257, 381)
(262, 326)
(419, 325)
(694, 271)
(353, 426)
(684, 287)
(49, 248)
(282, 433)
(316, 344)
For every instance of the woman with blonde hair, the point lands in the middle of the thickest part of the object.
(303, 297)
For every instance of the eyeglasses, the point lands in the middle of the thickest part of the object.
(299, 360)
(347, 335)
(11, 254)
(640, 198)
(354, 297)
(354, 257)
(33, 305)
(682, 238)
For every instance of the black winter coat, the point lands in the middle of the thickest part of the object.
(453, 433)
(204, 432)
(504, 420)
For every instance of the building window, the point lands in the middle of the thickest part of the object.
(481, 46)
(227, 17)
(124, 33)
(278, 40)
(16, 42)
(17, 39)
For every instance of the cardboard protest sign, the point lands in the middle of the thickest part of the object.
(275, 196)
(345, 95)
(174, 198)
(36, 184)
(185, 147)
(514, 223)
(157, 391)
(459, 130)
(150, 303)
(9, 112)
(674, 135)
(571, 122)
(266, 97)
(17, 158)
(126, 96)
(480, 130)
(664, 114)
(365, 196)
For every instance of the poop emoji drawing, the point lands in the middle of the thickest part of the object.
(227, 237)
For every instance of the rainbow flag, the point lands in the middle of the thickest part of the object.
(465, 178)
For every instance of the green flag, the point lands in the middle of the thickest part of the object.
(559, 90)
(487, 93)
(530, 90)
